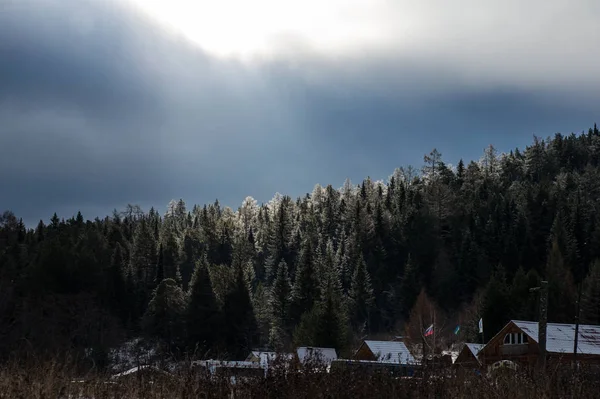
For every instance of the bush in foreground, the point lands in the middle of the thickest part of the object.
(53, 380)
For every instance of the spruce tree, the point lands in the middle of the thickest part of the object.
(590, 299)
(240, 334)
(279, 302)
(496, 303)
(332, 320)
(188, 255)
(202, 316)
(144, 255)
(305, 291)
(163, 318)
(561, 290)
(361, 296)
(171, 257)
(410, 287)
(160, 266)
(116, 282)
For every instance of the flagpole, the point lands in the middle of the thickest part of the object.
(433, 358)
(482, 336)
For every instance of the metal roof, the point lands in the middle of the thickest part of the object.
(391, 352)
(322, 355)
(560, 337)
(474, 348)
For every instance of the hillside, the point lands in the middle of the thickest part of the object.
(322, 270)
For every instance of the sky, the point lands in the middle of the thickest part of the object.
(105, 103)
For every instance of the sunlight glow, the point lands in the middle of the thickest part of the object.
(246, 28)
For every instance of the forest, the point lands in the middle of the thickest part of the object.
(326, 269)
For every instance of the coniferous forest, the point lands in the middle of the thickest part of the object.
(326, 269)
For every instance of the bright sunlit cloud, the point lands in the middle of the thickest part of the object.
(261, 27)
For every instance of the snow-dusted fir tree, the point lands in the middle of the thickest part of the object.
(361, 294)
(279, 301)
(202, 315)
(305, 291)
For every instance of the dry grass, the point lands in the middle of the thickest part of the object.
(53, 380)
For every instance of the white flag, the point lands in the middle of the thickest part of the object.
(481, 326)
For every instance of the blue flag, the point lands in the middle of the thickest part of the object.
(456, 330)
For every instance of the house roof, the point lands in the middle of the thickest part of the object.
(474, 348)
(560, 337)
(390, 352)
(324, 355)
(264, 358)
(139, 368)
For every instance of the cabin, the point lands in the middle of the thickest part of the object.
(467, 357)
(518, 342)
(316, 356)
(385, 352)
(269, 359)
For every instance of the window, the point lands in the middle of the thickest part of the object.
(515, 339)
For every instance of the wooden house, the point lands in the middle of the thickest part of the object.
(518, 342)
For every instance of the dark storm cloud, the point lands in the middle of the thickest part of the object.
(99, 107)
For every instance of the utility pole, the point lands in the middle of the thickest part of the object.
(577, 325)
(542, 324)
(578, 311)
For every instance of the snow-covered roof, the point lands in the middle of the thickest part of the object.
(391, 352)
(560, 337)
(264, 358)
(140, 368)
(474, 348)
(322, 355)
